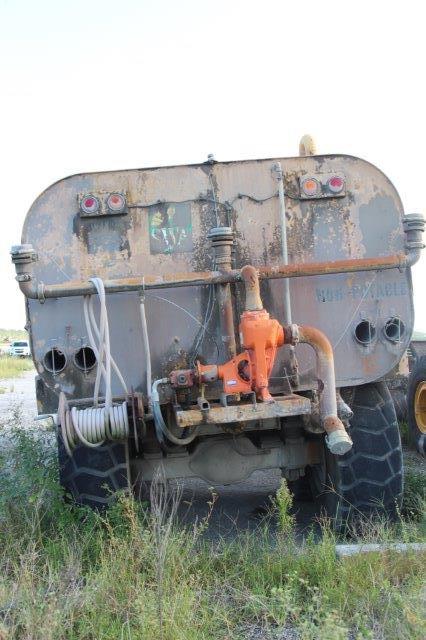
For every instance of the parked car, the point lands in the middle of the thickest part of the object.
(20, 349)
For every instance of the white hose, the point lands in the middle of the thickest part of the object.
(94, 425)
(101, 334)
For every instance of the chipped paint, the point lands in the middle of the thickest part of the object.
(365, 223)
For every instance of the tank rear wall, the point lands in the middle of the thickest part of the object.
(172, 237)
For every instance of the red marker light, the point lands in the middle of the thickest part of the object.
(89, 204)
(311, 187)
(335, 184)
(116, 202)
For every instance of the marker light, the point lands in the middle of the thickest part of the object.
(335, 184)
(116, 202)
(311, 187)
(89, 204)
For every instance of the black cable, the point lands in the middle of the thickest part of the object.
(240, 196)
(139, 205)
(228, 206)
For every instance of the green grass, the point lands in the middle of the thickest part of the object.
(68, 573)
(12, 367)
(405, 433)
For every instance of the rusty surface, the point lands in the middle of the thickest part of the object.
(292, 405)
(352, 249)
(332, 423)
(326, 376)
(222, 242)
(334, 266)
(250, 278)
(317, 339)
(120, 285)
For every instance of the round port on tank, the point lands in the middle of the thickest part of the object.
(54, 360)
(85, 358)
(365, 332)
(394, 329)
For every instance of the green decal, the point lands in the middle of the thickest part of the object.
(170, 228)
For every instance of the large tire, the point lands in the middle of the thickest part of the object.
(92, 477)
(368, 480)
(416, 399)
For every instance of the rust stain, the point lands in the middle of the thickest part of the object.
(214, 277)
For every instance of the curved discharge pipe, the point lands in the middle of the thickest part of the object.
(338, 440)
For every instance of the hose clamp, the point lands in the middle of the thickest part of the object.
(292, 335)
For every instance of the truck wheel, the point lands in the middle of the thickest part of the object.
(368, 480)
(416, 399)
(92, 476)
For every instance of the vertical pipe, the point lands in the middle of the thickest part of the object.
(146, 346)
(284, 250)
(222, 240)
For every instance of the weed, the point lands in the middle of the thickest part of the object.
(283, 504)
(130, 573)
(405, 433)
(11, 367)
(414, 502)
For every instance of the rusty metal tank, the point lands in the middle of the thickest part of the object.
(163, 229)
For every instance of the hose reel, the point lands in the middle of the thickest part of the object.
(92, 426)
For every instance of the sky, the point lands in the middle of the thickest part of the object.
(98, 85)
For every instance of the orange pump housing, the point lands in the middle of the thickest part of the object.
(250, 370)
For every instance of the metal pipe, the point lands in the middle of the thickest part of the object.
(146, 346)
(338, 440)
(287, 315)
(284, 249)
(222, 239)
(33, 289)
(253, 301)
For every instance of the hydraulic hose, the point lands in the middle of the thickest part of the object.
(161, 428)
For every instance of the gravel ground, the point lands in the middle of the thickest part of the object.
(414, 461)
(18, 392)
